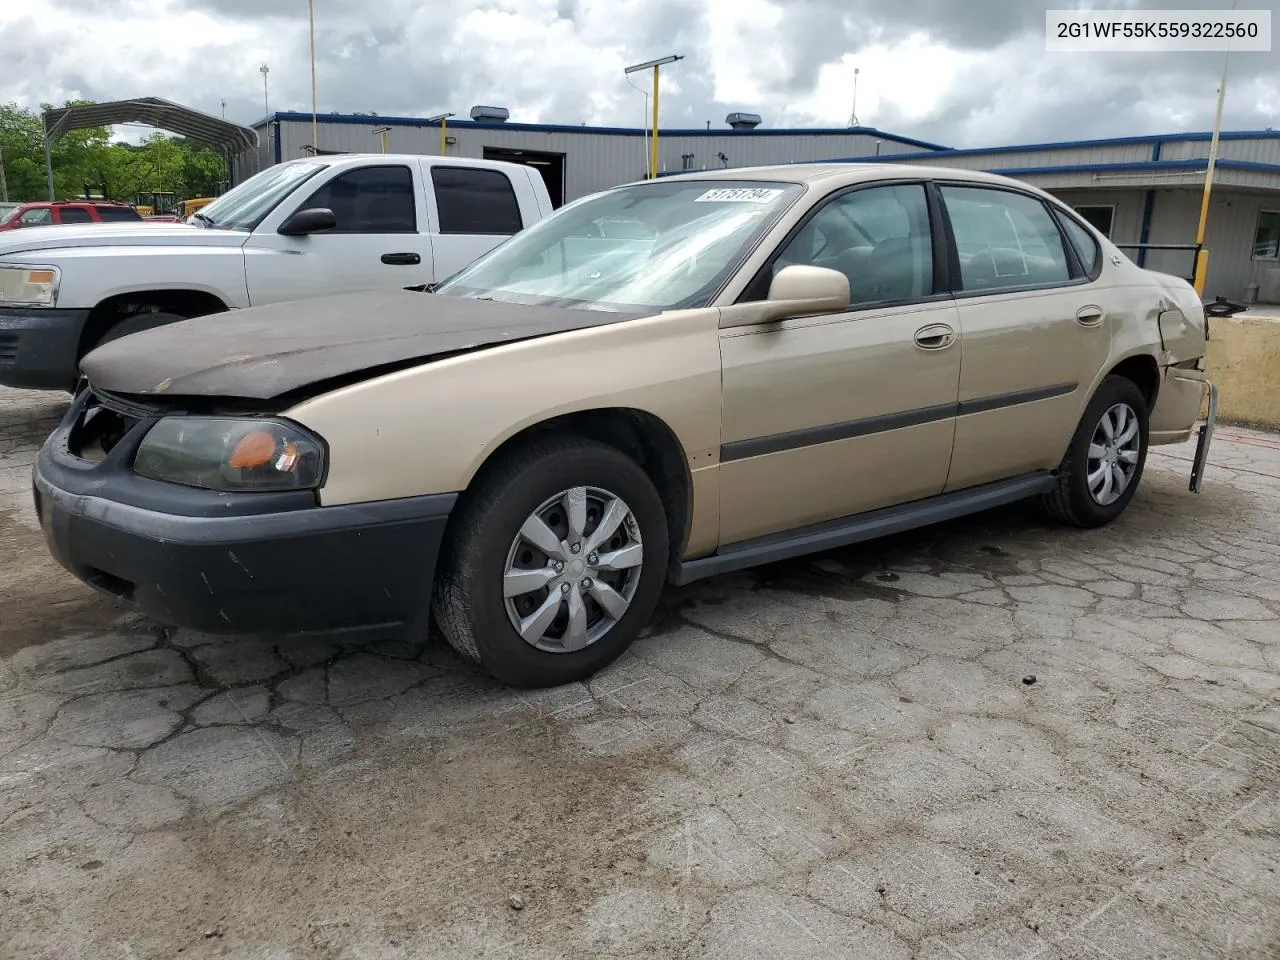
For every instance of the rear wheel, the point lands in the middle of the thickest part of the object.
(555, 564)
(1104, 464)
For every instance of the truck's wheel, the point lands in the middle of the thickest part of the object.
(136, 323)
(555, 564)
(1103, 466)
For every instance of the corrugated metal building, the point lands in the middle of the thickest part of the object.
(1139, 190)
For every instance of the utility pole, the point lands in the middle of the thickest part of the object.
(224, 109)
(315, 134)
(4, 184)
(266, 102)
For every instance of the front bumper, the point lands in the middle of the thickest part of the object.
(1201, 459)
(39, 347)
(242, 563)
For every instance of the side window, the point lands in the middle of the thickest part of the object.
(1004, 239)
(74, 215)
(878, 237)
(1086, 245)
(474, 200)
(369, 200)
(118, 214)
(36, 216)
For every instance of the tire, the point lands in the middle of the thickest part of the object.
(135, 323)
(1073, 502)
(487, 542)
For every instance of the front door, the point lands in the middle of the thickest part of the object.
(1034, 332)
(377, 243)
(829, 416)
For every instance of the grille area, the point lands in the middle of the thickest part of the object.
(8, 347)
(99, 428)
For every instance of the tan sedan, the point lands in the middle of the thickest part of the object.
(661, 382)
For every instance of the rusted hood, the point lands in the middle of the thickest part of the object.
(264, 352)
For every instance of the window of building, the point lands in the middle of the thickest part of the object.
(477, 201)
(1005, 239)
(1100, 216)
(1266, 236)
(74, 215)
(878, 237)
(370, 200)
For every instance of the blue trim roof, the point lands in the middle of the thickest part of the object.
(1155, 141)
(611, 131)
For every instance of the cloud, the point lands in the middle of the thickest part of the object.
(969, 74)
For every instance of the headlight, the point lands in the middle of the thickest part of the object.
(24, 286)
(231, 455)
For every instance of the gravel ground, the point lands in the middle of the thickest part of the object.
(833, 757)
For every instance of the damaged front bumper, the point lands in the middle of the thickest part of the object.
(1205, 438)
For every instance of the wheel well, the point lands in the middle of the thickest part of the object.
(184, 303)
(1144, 372)
(644, 438)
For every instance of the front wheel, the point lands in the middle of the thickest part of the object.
(1104, 463)
(554, 565)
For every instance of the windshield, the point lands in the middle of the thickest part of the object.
(8, 211)
(657, 244)
(244, 207)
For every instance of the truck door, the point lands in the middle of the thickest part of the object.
(378, 242)
(471, 210)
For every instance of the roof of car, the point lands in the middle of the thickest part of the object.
(834, 174)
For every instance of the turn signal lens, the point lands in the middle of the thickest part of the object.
(227, 454)
(254, 450)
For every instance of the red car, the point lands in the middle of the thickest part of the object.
(43, 212)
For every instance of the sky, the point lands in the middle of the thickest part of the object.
(964, 73)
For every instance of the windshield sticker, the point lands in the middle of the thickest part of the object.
(739, 195)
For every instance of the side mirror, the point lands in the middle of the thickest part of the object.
(801, 290)
(311, 220)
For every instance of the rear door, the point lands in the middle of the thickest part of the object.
(377, 243)
(471, 210)
(1035, 330)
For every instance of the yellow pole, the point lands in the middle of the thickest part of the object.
(315, 136)
(384, 141)
(444, 145)
(1202, 256)
(653, 142)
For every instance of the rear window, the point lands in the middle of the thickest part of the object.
(472, 200)
(117, 214)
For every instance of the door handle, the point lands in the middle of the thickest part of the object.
(1089, 316)
(935, 336)
(399, 259)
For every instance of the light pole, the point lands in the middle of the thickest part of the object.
(266, 101)
(653, 140)
(1202, 255)
(853, 114)
(442, 119)
(315, 135)
(382, 131)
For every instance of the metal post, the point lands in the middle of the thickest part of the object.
(4, 184)
(444, 141)
(315, 136)
(653, 143)
(1202, 255)
(48, 160)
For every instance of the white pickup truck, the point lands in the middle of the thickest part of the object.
(305, 228)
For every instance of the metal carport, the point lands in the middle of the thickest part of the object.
(162, 114)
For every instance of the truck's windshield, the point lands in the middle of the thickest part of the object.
(245, 206)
